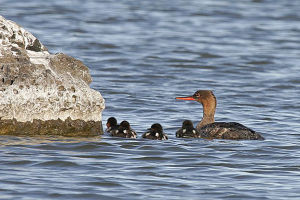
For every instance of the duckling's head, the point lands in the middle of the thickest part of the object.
(111, 122)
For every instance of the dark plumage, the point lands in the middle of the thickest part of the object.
(124, 130)
(155, 133)
(187, 130)
(111, 124)
(228, 130)
(210, 129)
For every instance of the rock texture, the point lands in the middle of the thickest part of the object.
(41, 93)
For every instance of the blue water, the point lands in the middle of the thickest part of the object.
(142, 54)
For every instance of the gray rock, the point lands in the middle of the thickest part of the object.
(40, 90)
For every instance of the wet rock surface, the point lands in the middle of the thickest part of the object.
(67, 127)
(42, 93)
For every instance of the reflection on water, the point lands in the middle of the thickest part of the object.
(11, 140)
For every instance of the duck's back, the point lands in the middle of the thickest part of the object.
(228, 130)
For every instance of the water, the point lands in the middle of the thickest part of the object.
(142, 54)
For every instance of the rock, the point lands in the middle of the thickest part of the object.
(42, 93)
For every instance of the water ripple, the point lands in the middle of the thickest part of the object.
(142, 54)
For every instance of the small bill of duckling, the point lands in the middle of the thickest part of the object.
(187, 130)
(124, 130)
(155, 133)
(111, 124)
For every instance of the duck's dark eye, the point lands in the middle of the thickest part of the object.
(197, 95)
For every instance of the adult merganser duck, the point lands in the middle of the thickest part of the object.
(111, 124)
(187, 130)
(124, 130)
(210, 129)
(155, 133)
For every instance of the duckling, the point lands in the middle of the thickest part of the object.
(111, 125)
(187, 130)
(124, 130)
(155, 133)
